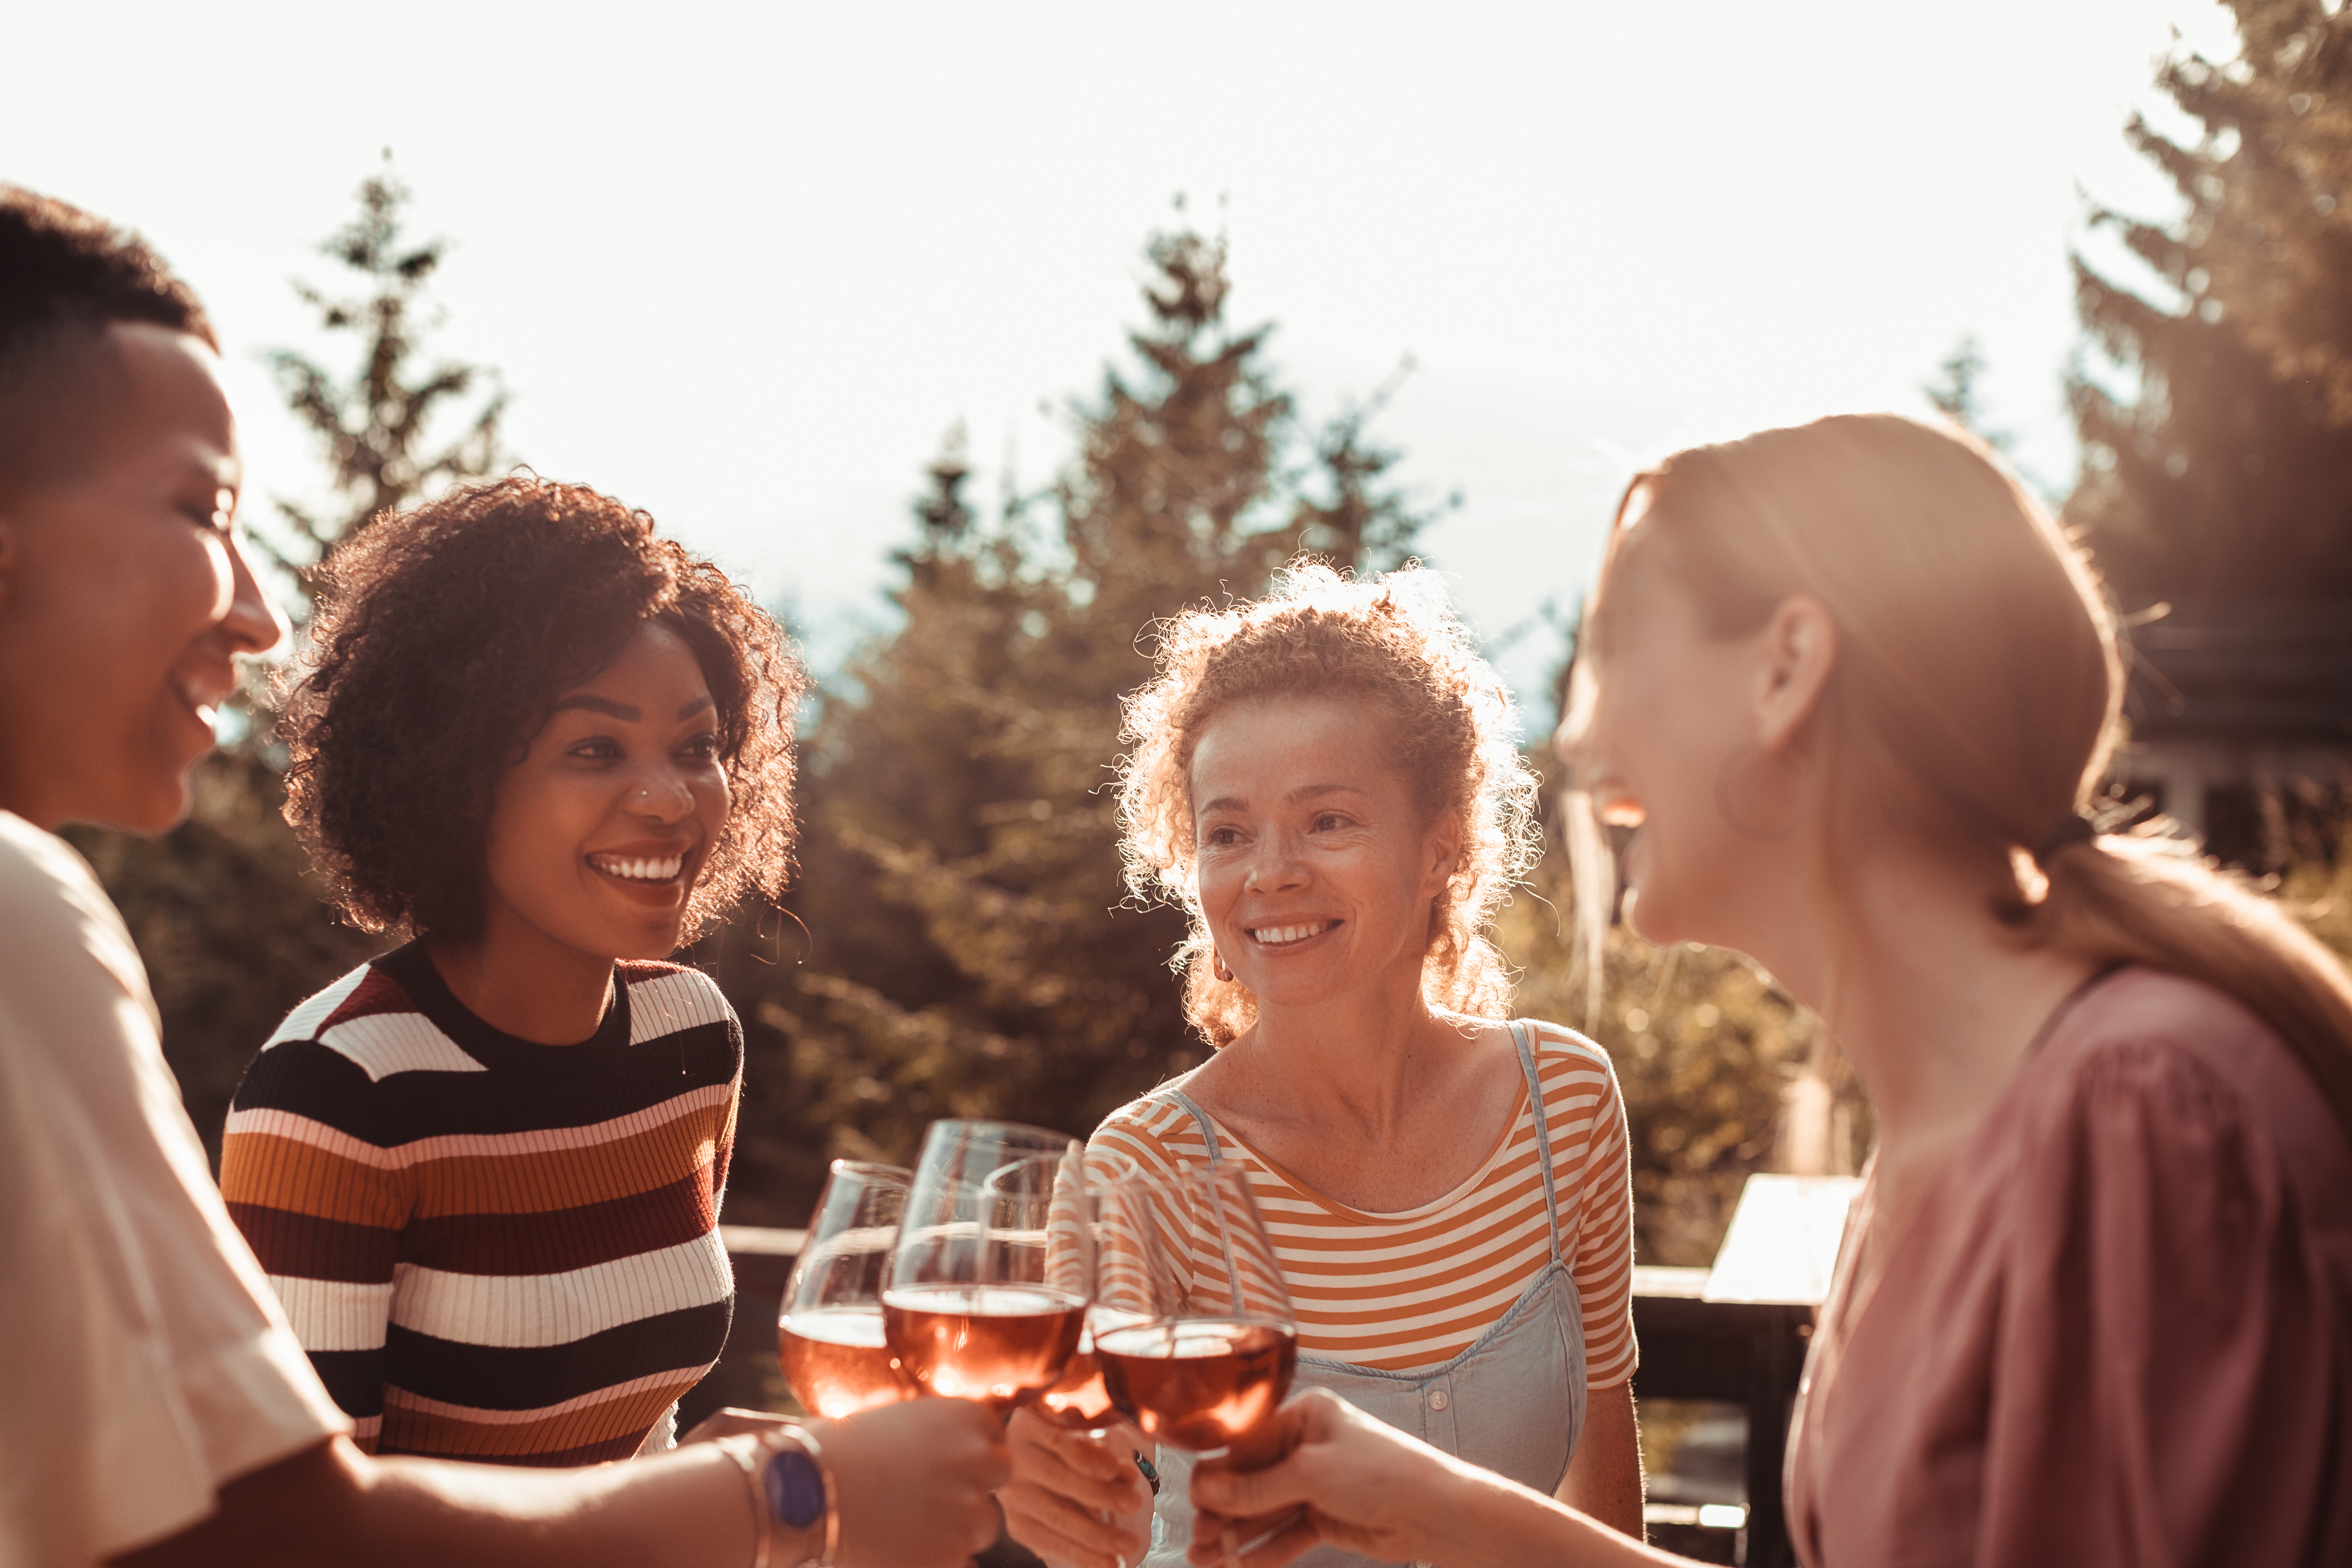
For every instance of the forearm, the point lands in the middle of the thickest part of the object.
(688, 1510)
(1483, 1520)
(333, 1504)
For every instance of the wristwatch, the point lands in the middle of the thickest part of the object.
(796, 1486)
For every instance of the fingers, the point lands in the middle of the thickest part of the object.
(914, 1482)
(1254, 1493)
(1092, 1473)
(1217, 1543)
(1058, 1529)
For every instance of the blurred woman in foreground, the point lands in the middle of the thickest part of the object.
(2094, 1304)
(1328, 781)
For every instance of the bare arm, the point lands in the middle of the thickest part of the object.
(1604, 1478)
(1352, 1482)
(912, 1480)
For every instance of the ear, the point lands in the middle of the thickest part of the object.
(1797, 649)
(1442, 851)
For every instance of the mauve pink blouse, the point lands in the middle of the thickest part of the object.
(2119, 1328)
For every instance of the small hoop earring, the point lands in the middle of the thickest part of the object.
(1217, 966)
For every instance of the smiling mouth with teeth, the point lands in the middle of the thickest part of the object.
(1283, 936)
(198, 704)
(639, 870)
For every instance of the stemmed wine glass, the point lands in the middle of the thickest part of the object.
(1081, 1400)
(1194, 1327)
(987, 1288)
(830, 1336)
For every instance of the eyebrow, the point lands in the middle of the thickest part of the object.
(625, 712)
(1303, 793)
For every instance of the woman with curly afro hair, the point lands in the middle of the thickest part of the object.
(1329, 782)
(545, 748)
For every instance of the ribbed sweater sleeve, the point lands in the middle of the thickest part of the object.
(321, 1202)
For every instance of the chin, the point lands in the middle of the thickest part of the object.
(1649, 920)
(156, 809)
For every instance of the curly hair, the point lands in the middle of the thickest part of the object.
(1394, 644)
(441, 639)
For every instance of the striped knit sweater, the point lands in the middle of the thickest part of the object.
(1404, 1292)
(494, 1250)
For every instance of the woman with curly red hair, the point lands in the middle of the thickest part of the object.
(483, 1172)
(1328, 781)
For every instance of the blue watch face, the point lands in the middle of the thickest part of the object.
(795, 1488)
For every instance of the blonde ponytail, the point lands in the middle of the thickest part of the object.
(1980, 672)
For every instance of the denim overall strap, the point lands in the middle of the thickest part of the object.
(1523, 1037)
(1513, 1401)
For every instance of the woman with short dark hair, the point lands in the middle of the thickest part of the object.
(483, 1172)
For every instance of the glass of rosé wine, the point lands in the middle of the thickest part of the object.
(830, 1336)
(1081, 1400)
(986, 1292)
(1194, 1324)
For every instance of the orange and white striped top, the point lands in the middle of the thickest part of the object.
(1400, 1292)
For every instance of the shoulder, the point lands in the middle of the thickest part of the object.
(1154, 1130)
(667, 998)
(317, 1075)
(1570, 1065)
(2185, 1064)
(56, 913)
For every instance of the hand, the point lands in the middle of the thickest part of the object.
(1071, 1494)
(912, 1481)
(1365, 1487)
(730, 1422)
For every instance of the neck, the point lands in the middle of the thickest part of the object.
(518, 980)
(1365, 1057)
(1931, 998)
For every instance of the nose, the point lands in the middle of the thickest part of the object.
(658, 794)
(1570, 742)
(255, 625)
(1276, 866)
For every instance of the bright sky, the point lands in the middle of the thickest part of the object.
(742, 264)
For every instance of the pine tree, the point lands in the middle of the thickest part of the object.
(373, 425)
(2230, 470)
(968, 949)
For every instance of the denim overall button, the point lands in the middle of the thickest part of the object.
(1437, 1400)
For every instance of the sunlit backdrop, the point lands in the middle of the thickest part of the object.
(744, 265)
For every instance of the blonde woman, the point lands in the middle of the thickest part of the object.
(2094, 1305)
(1329, 782)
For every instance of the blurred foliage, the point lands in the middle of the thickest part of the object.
(2230, 470)
(959, 942)
(227, 918)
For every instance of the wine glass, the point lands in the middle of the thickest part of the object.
(1194, 1328)
(829, 1335)
(1081, 1400)
(987, 1287)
